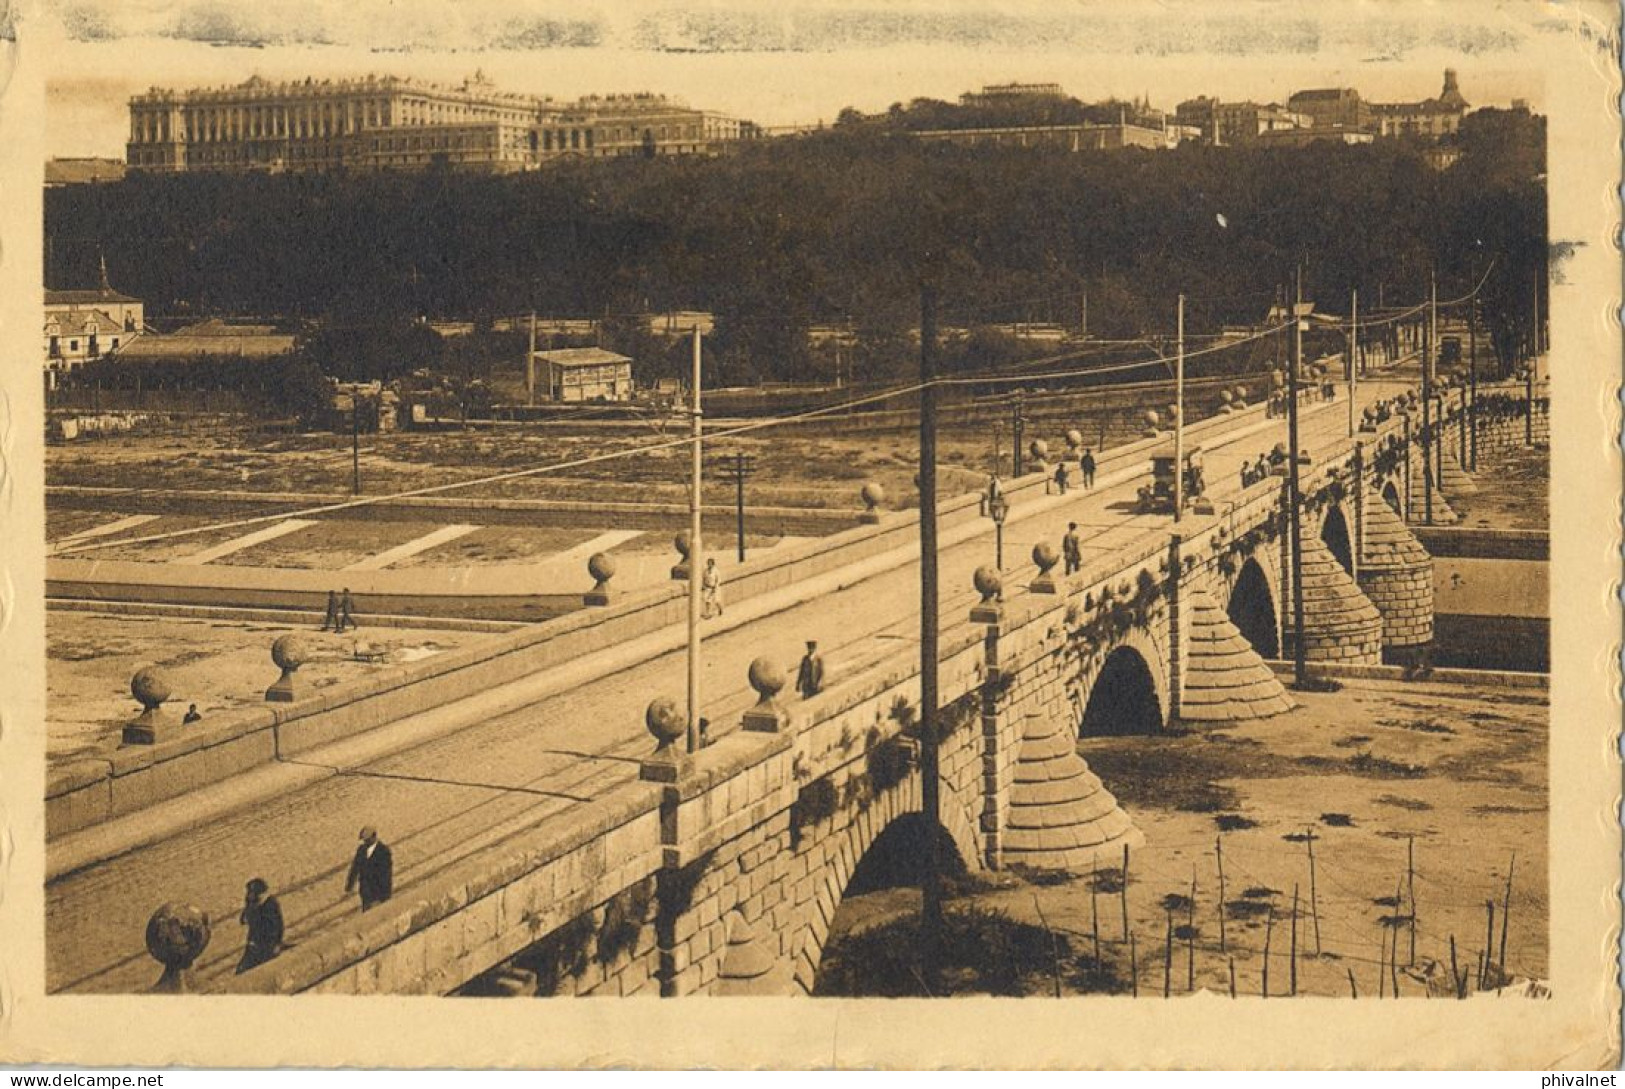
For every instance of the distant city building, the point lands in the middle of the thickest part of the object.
(1333, 108)
(87, 171)
(81, 326)
(1305, 137)
(1430, 119)
(392, 122)
(1236, 123)
(584, 374)
(999, 93)
(1064, 137)
(212, 337)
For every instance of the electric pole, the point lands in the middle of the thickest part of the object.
(734, 468)
(930, 788)
(1294, 496)
(355, 443)
(1179, 417)
(696, 555)
(1017, 420)
(1354, 354)
(1472, 384)
(1427, 407)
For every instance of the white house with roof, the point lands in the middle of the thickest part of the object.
(89, 324)
(583, 374)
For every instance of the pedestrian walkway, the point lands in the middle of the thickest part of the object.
(381, 560)
(247, 540)
(106, 529)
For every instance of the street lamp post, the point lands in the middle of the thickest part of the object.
(997, 508)
(1294, 495)
(696, 555)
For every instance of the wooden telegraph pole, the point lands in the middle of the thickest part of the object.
(930, 787)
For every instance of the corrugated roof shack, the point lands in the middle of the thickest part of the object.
(570, 375)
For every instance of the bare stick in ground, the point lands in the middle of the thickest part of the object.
(1134, 965)
(1506, 913)
(1094, 918)
(1168, 957)
(1486, 974)
(1190, 936)
(1314, 898)
(1269, 931)
(1125, 890)
(1054, 944)
(1292, 960)
(1354, 990)
(1410, 887)
(1232, 977)
(1218, 849)
(1455, 976)
(1393, 963)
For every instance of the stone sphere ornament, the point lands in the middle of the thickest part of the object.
(1045, 557)
(766, 677)
(1039, 449)
(1151, 418)
(1074, 438)
(1226, 396)
(150, 687)
(601, 566)
(872, 495)
(683, 543)
(177, 934)
(665, 721)
(988, 582)
(289, 652)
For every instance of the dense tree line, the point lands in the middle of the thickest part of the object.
(837, 228)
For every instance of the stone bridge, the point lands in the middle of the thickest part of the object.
(719, 872)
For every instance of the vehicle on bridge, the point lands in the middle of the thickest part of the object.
(1157, 497)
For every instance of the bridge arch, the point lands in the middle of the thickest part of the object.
(878, 847)
(1390, 495)
(1338, 536)
(1252, 609)
(1126, 696)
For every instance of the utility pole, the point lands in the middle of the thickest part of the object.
(1018, 419)
(1294, 496)
(1179, 417)
(1083, 318)
(1354, 354)
(1472, 384)
(355, 443)
(734, 468)
(930, 787)
(1427, 406)
(530, 365)
(696, 555)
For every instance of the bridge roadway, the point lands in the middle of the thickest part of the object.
(461, 777)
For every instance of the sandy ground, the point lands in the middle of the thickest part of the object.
(791, 470)
(1513, 490)
(1455, 776)
(216, 664)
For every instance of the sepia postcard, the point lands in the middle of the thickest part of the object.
(831, 534)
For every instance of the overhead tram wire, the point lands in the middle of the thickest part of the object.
(645, 448)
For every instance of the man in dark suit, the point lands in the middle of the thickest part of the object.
(810, 677)
(372, 869)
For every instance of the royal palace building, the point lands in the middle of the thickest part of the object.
(384, 122)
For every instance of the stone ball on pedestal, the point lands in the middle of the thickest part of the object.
(1074, 438)
(988, 582)
(150, 687)
(1151, 418)
(1039, 449)
(290, 652)
(683, 543)
(601, 566)
(872, 495)
(177, 934)
(1045, 557)
(665, 720)
(766, 677)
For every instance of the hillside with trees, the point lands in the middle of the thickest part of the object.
(836, 228)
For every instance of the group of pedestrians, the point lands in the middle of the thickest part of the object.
(1086, 472)
(340, 612)
(372, 873)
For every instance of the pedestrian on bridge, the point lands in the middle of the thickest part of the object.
(346, 611)
(1087, 465)
(372, 870)
(810, 677)
(1072, 549)
(1060, 477)
(331, 621)
(711, 589)
(262, 915)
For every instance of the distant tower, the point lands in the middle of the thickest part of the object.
(1451, 97)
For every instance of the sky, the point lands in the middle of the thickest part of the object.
(797, 63)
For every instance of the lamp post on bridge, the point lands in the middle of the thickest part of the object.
(998, 507)
(1294, 494)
